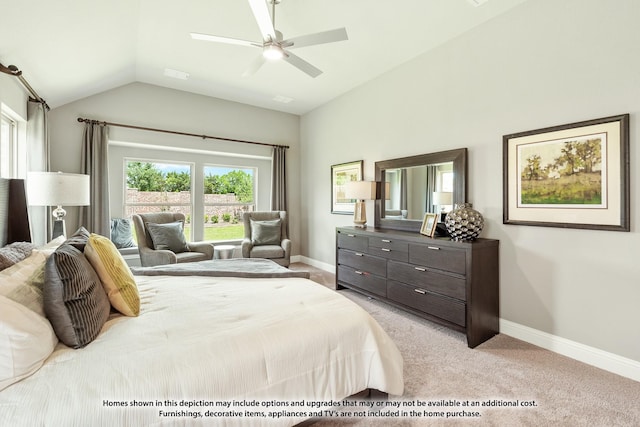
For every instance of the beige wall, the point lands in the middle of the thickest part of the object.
(152, 106)
(544, 63)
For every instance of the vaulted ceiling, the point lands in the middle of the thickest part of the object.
(70, 49)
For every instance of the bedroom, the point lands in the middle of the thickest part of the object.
(573, 291)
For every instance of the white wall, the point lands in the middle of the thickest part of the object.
(13, 96)
(544, 63)
(152, 106)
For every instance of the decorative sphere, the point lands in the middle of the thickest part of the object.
(464, 223)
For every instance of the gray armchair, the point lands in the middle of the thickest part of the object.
(149, 256)
(265, 236)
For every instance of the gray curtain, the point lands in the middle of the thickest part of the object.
(403, 189)
(279, 179)
(432, 175)
(95, 143)
(38, 160)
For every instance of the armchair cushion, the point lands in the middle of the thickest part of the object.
(266, 232)
(168, 236)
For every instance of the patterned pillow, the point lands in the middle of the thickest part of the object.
(168, 236)
(266, 232)
(14, 253)
(114, 274)
(74, 300)
(26, 340)
(17, 284)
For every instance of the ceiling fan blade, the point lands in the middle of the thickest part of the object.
(302, 65)
(254, 67)
(261, 13)
(228, 40)
(330, 36)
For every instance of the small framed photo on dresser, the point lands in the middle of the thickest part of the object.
(429, 224)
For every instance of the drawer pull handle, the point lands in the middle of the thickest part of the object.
(435, 248)
(386, 240)
(359, 272)
(420, 268)
(385, 250)
(351, 235)
(420, 291)
(359, 254)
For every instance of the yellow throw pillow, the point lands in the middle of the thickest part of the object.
(114, 273)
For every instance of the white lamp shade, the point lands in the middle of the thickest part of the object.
(441, 198)
(361, 190)
(57, 189)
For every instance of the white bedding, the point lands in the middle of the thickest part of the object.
(211, 339)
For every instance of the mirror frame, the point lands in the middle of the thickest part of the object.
(459, 159)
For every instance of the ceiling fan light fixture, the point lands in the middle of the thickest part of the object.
(273, 52)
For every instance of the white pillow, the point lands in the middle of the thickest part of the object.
(50, 247)
(26, 340)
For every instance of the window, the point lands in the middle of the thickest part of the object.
(228, 193)
(8, 147)
(159, 187)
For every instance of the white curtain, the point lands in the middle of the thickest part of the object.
(95, 162)
(38, 161)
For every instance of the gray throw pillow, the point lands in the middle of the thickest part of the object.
(265, 232)
(75, 302)
(78, 239)
(168, 236)
(121, 233)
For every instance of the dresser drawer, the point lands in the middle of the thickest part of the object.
(427, 279)
(427, 302)
(362, 261)
(363, 280)
(389, 248)
(388, 243)
(438, 257)
(355, 242)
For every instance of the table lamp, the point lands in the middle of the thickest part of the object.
(361, 191)
(58, 189)
(442, 199)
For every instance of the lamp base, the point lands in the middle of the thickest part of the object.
(59, 229)
(360, 215)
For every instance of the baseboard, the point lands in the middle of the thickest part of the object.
(314, 263)
(592, 356)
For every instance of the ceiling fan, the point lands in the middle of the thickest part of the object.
(273, 46)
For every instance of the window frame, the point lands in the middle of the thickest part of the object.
(9, 147)
(190, 205)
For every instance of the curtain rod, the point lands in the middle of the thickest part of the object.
(97, 122)
(12, 70)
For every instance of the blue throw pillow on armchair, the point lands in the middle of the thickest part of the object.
(121, 233)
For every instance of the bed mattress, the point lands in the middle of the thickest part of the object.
(203, 340)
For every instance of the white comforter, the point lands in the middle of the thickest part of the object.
(207, 339)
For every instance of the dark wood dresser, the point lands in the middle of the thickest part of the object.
(451, 283)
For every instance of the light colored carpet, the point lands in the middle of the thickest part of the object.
(439, 365)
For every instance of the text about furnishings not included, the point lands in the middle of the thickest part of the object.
(275, 409)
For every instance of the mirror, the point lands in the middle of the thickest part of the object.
(408, 185)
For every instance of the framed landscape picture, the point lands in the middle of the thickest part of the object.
(340, 175)
(570, 176)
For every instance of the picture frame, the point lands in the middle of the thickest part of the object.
(429, 224)
(340, 175)
(569, 176)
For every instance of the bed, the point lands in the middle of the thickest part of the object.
(202, 350)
